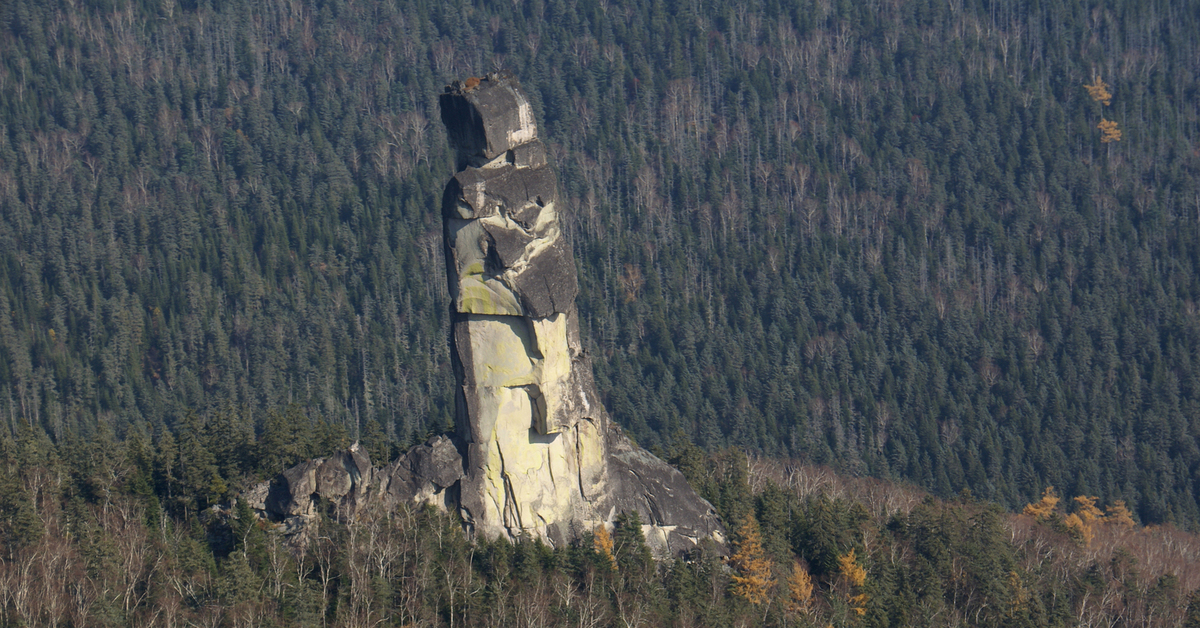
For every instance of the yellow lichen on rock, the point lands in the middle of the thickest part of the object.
(486, 297)
(533, 473)
(503, 345)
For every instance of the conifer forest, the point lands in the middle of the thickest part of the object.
(909, 290)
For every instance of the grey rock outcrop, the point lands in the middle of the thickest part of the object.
(542, 457)
(347, 481)
(535, 454)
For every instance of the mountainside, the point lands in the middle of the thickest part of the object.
(887, 237)
(83, 543)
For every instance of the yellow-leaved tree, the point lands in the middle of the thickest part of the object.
(1081, 523)
(1045, 506)
(1020, 596)
(752, 569)
(1118, 514)
(800, 588)
(855, 575)
(1108, 131)
(1086, 508)
(1098, 90)
(603, 542)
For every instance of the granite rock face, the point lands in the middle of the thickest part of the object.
(541, 456)
(535, 455)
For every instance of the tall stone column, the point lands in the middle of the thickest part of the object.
(541, 456)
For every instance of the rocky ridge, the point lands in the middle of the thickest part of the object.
(350, 483)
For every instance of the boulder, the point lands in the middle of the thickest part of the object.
(347, 481)
(422, 475)
(487, 118)
(291, 494)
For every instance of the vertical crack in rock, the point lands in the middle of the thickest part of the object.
(579, 464)
(512, 515)
(526, 399)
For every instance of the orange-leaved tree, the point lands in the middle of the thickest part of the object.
(603, 542)
(752, 569)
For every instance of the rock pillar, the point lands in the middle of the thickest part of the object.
(541, 457)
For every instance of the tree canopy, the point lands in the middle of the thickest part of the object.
(887, 237)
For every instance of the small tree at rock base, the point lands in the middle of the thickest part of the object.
(602, 541)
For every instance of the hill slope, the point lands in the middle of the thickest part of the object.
(886, 237)
(84, 542)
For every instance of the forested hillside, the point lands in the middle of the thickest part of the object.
(88, 545)
(889, 237)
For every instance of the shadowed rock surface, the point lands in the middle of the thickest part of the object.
(426, 474)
